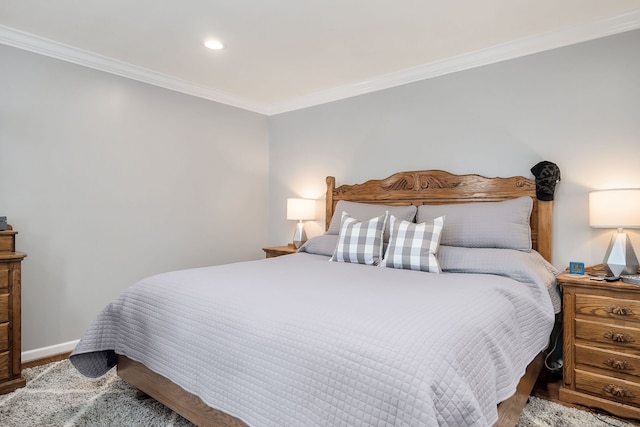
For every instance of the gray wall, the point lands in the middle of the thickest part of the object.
(108, 180)
(578, 106)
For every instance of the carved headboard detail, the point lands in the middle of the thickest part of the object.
(440, 187)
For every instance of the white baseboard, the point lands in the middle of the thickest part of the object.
(51, 350)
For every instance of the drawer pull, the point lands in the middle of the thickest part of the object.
(618, 336)
(619, 310)
(619, 364)
(618, 391)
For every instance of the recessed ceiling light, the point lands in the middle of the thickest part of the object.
(214, 44)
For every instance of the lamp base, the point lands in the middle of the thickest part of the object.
(299, 236)
(620, 257)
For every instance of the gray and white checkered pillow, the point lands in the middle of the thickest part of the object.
(360, 241)
(414, 246)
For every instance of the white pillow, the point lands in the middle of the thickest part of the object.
(360, 241)
(414, 246)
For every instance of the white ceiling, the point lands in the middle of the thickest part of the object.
(282, 55)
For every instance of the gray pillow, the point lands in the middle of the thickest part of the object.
(502, 225)
(324, 244)
(365, 211)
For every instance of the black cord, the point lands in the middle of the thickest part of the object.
(550, 352)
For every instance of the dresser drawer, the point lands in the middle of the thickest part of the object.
(4, 365)
(616, 336)
(4, 336)
(608, 388)
(4, 308)
(609, 360)
(608, 308)
(4, 278)
(10, 348)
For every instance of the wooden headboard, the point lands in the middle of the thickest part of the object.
(440, 187)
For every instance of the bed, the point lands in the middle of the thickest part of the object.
(298, 340)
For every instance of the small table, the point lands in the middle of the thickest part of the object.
(276, 251)
(601, 343)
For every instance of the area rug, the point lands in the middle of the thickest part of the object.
(57, 395)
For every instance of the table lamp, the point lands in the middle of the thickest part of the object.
(300, 210)
(617, 209)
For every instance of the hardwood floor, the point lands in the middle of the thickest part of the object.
(548, 385)
(44, 360)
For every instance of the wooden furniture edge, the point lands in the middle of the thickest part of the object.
(273, 251)
(509, 410)
(11, 385)
(544, 222)
(589, 401)
(173, 396)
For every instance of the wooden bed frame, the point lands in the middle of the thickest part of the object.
(403, 188)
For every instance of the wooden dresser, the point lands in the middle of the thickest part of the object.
(601, 344)
(10, 342)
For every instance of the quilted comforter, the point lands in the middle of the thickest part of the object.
(299, 341)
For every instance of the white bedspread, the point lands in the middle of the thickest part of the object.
(299, 341)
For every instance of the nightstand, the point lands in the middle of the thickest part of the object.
(601, 344)
(275, 251)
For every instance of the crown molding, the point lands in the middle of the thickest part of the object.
(53, 49)
(501, 52)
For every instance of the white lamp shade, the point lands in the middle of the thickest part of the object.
(301, 209)
(615, 208)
